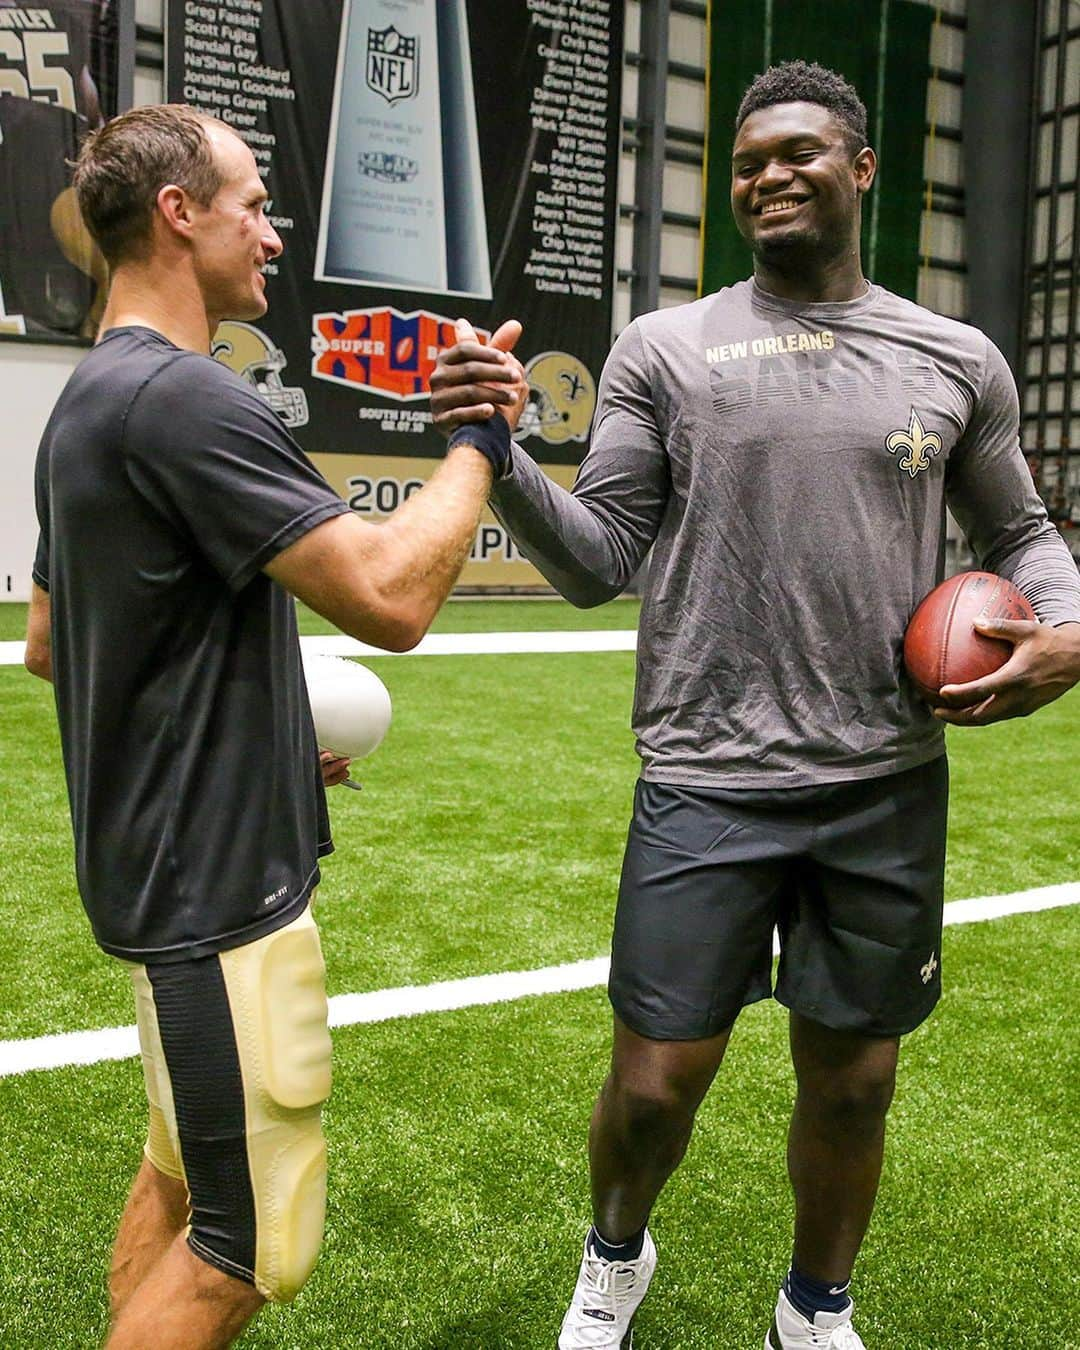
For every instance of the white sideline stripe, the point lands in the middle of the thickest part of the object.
(1019, 902)
(383, 1005)
(483, 644)
(347, 1010)
(443, 644)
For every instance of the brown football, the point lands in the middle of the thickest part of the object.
(941, 646)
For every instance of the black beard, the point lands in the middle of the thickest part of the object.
(792, 251)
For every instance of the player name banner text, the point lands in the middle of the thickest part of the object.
(426, 160)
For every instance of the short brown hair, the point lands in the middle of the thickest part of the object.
(122, 167)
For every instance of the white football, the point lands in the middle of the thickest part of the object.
(349, 704)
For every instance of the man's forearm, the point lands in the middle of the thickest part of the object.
(430, 536)
(578, 548)
(1042, 567)
(383, 583)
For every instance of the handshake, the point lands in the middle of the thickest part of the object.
(479, 391)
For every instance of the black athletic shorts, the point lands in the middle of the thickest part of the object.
(850, 874)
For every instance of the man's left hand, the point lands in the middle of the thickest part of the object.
(475, 379)
(1045, 664)
(335, 768)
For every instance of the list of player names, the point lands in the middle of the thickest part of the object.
(223, 73)
(571, 114)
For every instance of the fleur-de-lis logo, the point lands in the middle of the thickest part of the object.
(927, 972)
(920, 445)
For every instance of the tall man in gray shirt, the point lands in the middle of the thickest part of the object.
(787, 447)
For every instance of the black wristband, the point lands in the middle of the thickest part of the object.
(491, 438)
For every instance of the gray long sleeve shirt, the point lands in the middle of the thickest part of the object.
(791, 464)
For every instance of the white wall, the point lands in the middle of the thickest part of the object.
(31, 377)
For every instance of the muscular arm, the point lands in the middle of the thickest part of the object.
(994, 500)
(384, 583)
(588, 543)
(250, 501)
(38, 657)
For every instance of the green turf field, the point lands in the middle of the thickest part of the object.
(488, 838)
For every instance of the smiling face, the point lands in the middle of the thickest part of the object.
(796, 186)
(232, 238)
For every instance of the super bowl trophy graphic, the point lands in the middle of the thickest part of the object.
(403, 198)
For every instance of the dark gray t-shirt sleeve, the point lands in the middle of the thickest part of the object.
(992, 495)
(210, 456)
(589, 542)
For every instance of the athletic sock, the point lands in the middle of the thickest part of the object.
(811, 1296)
(629, 1250)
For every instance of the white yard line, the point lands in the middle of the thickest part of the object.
(484, 644)
(382, 1005)
(444, 644)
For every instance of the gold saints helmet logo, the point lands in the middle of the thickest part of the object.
(921, 446)
(562, 399)
(250, 353)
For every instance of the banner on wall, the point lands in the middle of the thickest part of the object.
(66, 66)
(883, 49)
(426, 159)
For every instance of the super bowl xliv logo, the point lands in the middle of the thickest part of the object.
(380, 350)
(392, 63)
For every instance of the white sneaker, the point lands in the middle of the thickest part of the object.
(606, 1297)
(828, 1331)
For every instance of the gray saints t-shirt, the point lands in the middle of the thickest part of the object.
(791, 465)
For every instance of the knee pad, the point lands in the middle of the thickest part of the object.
(292, 1214)
(278, 989)
(293, 1017)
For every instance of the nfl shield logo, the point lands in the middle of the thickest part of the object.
(392, 64)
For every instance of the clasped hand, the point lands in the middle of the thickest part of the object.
(475, 379)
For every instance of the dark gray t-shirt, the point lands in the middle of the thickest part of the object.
(164, 484)
(791, 463)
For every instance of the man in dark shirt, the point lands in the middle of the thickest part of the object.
(176, 516)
